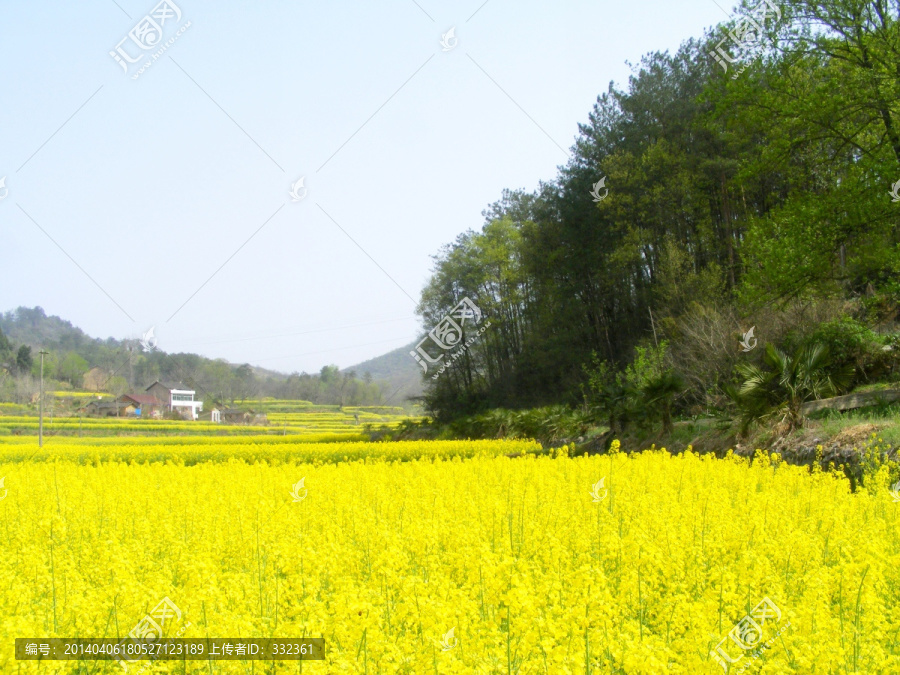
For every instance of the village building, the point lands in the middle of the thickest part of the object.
(106, 408)
(145, 405)
(176, 397)
(214, 415)
(237, 416)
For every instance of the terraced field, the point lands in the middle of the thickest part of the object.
(287, 418)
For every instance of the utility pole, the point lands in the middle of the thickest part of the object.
(41, 415)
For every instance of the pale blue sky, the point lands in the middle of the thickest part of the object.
(151, 185)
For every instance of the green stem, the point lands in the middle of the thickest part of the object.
(587, 644)
(53, 577)
(508, 634)
(856, 622)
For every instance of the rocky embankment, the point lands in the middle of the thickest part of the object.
(799, 449)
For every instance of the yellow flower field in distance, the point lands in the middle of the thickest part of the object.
(189, 451)
(270, 417)
(603, 564)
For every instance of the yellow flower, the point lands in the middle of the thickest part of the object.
(403, 542)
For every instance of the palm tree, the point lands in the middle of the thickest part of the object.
(496, 422)
(619, 399)
(788, 383)
(659, 393)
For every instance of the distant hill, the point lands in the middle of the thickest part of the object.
(396, 374)
(31, 326)
(398, 369)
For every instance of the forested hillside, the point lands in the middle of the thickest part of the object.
(397, 371)
(128, 366)
(754, 197)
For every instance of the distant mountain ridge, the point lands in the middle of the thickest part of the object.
(398, 369)
(33, 327)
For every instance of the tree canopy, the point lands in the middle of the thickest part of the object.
(729, 192)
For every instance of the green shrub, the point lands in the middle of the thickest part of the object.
(853, 345)
(644, 393)
(780, 387)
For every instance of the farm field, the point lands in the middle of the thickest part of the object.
(298, 418)
(483, 338)
(451, 557)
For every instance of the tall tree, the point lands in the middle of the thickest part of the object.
(24, 360)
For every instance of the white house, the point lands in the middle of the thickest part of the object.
(177, 397)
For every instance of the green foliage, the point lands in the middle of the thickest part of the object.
(644, 392)
(51, 366)
(548, 425)
(853, 347)
(71, 369)
(648, 365)
(785, 383)
(741, 194)
(612, 394)
(117, 385)
(24, 360)
(883, 304)
(5, 347)
(659, 394)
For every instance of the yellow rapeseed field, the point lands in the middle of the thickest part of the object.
(486, 564)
